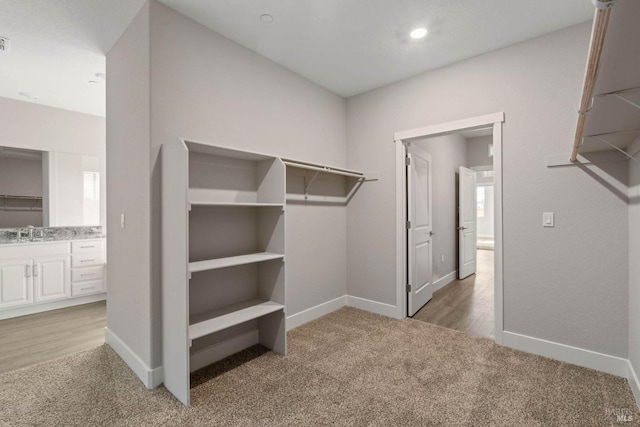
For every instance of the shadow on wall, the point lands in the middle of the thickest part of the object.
(612, 170)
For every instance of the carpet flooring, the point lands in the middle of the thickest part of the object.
(349, 368)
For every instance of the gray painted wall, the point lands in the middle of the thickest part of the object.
(128, 184)
(478, 151)
(567, 284)
(634, 256)
(20, 177)
(38, 127)
(447, 154)
(176, 78)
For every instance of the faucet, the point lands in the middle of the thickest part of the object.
(30, 228)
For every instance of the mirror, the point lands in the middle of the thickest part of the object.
(48, 189)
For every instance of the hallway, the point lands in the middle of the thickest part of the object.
(465, 305)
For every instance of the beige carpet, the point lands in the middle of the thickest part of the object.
(350, 368)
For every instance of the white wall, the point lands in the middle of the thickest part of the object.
(566, 284)
(20, 177)
(634, 256)
(447, 154)
(200, 85)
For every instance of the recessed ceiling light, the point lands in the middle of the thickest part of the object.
(418, 33)
(29, 95)
(266, 18)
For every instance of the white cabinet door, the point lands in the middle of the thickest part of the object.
(51, 278)
(15, 283)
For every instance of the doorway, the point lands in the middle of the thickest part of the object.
(407, 271)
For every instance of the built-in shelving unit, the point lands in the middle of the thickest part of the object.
(223, 250)
(223, 256)
(609, 113)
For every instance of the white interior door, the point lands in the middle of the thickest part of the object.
(419, 228)
(467, 223)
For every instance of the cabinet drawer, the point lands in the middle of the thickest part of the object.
(86, 260)
(86, 246)
(84, 288)
(89, 273)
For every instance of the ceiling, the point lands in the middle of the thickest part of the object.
(346, 46)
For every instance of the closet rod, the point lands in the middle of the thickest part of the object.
(326, 169)
(598, 33)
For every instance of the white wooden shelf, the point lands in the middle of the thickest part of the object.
(226, 317)
(609, 113)
(234, 204)
(214, 264)
(208, 197)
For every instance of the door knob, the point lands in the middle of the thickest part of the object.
(462, 228)
(431, 233)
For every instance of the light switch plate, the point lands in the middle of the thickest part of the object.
(548, 219)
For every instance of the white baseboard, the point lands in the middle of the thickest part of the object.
(578, 356)
(223, 349)
(54, 305)
(445, 280)
(313, 313)
(151, 378)
(632, 377)
(373, 306)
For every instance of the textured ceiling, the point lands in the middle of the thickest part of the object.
(347, 46)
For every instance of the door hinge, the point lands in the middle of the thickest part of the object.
(407, 161)
(408, 225)
(408, 288)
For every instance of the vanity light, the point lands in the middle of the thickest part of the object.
(418, 33)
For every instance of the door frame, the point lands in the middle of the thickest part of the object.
(495, 120)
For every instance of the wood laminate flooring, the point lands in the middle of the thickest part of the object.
(465, 305)
(35, 338)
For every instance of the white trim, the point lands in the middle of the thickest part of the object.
(373, 306)
(223, 349)
(566, 353)
(445, 280)
(498, 269)
(151, 378)
(313, 313)
(495, 120)
(401, 235)
(632, 377)
(469, 123)
(53, 305)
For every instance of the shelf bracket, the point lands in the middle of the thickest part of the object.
(308, 184)
(627, 100)
(629, 156)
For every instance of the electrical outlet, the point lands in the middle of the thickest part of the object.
(121, 220)
(442, 258)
